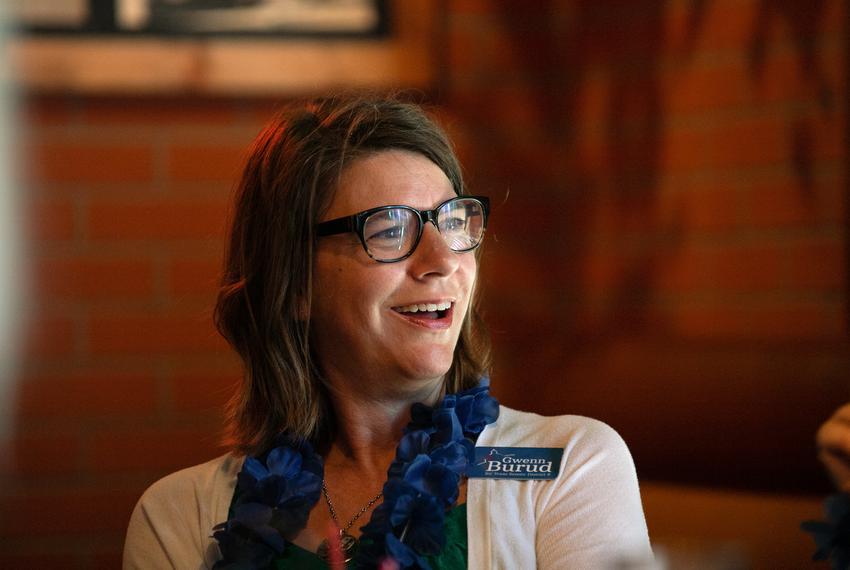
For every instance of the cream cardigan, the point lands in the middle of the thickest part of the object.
(589, 517)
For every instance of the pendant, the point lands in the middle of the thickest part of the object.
(347, 543)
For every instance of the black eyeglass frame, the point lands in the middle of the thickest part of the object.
(356, 222)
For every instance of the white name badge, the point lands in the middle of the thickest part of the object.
(522, 463)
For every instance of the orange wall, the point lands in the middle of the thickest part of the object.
(671, 256)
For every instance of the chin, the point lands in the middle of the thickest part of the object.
(428, 373)
(431, 363)
(429, 368)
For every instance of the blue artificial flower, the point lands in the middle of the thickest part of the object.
(454, 455)
(420, 419)
(446, 425)
(420, 519)
(241, 548)
(433, 478)
(257, 517)
(403, 554)
(476, 409)
(423, 478)
(832, 537)
(411, 445)
(276, 492)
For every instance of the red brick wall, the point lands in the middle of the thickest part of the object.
(671, 256)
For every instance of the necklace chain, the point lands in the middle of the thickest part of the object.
(359, 514)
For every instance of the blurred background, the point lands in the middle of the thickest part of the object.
(668, 249)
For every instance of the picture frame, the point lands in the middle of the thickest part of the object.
(228, 18)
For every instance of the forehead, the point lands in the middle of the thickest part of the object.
(390, 177)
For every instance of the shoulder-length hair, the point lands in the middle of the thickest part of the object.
(263, 306)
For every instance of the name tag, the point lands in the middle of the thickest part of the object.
(521, 463)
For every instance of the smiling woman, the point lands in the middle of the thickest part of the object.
(350, 294)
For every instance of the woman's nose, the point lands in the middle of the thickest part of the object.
(433, 256)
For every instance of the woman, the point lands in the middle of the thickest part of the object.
(833, 442)
(349, 293)
(832, 536)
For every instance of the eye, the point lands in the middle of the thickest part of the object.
(453, 224)
(390, 233)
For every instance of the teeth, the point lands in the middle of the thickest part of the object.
(431, 307)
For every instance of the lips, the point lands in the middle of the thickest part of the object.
(435, 315)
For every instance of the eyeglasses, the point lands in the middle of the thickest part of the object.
(391, 233)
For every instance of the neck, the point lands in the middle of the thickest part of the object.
(369, 425)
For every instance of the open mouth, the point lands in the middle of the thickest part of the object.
(426, 311)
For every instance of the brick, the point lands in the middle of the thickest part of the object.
(528, 168)
(819, 265)
(66, 511)
(524, 217)
(93, 163)
(156, 219)
(86, 394)
(204, 163)
(505, 108)
(688, 269)
(684, 150)
(750, 268)
(50, 336)
(507, 275)
(726, 24)
(493, 50)
(479, 7)
(259, 111)
(801, 321)
(93, 278)
(753, 142)
(600, 272)
(205, 391)
(712, 207)
(159, 112)
(194, 276)
(130, 333)
(832, 206)
(624, 34)
(44, 455)
(710, 322)
(165, 450)
(780, 203)
(785, 321)
(698, 88)
(826, 138)
(40, 111)
(51, 220)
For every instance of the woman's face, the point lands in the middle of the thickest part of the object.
(359, 327)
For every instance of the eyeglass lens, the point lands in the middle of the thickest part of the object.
(391, 234)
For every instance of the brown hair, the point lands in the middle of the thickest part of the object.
(263, 304)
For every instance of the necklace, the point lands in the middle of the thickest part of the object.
(276, 491)
(347, 543)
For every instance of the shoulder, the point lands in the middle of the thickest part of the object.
(595, 456)
(173, 520)
(193, 483)
(573, 433)
(588, 514)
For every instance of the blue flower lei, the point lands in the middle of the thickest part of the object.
(277, 490)
(832, 537)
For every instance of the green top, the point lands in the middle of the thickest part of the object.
(453, 557)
